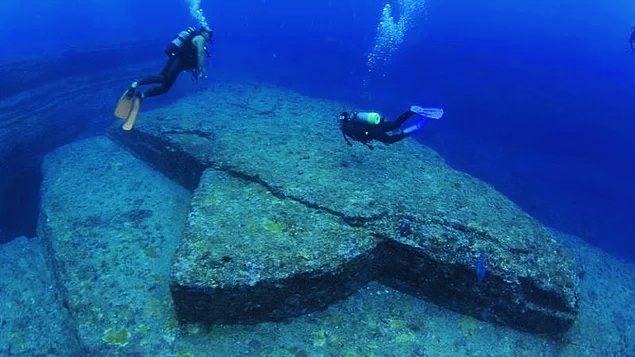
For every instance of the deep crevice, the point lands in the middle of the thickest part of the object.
(20, 204)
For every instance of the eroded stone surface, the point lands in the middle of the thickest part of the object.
(31, 304)
(248, 255)
(111, 225)
(283, 160)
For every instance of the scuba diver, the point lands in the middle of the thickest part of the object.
(187, 52)
(632, 39)
(365, 126)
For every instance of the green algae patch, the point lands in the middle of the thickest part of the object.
(274, 227)
(119, 337)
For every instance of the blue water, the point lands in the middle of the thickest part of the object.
(538, 94)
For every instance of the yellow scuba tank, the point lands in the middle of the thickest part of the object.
(371, 118)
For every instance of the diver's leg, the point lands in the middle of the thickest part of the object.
(155, 79)
(159, 78)
(151, 80)
(132, 89)
(157, 90)
(168, 76)
(392, 125)
(390, 138)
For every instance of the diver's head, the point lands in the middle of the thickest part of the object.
(206, 32)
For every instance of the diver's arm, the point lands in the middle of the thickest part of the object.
(199, 43)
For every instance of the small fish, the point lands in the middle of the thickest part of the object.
(480, 267)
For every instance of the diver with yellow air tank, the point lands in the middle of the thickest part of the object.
(367, 126)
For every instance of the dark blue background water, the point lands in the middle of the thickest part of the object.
(538, 94)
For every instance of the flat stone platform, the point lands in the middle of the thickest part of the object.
(286, 218)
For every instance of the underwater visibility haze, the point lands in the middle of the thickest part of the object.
(508, 216)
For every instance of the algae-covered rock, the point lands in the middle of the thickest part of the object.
(102, 211)
(249, 256)
(287, 217)
(117, 337)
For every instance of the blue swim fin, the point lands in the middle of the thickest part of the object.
(430, 113)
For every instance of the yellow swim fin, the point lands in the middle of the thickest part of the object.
(134, 111)
(124, 105)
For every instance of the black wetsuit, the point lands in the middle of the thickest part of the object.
(385, 131)
(175, 65)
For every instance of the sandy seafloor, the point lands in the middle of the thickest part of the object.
(375, 321)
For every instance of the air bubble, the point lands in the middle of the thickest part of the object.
(390, 34)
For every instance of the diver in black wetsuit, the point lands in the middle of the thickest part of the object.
(186, 52)
(365, 127)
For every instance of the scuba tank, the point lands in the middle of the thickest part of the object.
(180, 42)
(371, 118)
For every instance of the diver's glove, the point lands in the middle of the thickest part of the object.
(202, 73)
(198, 74)
(345, 116)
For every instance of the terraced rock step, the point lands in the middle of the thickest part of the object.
(287, 218)
(248, 256)
(111, 225)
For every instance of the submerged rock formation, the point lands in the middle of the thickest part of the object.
(33, 320)
(286, 218)
(111, 225)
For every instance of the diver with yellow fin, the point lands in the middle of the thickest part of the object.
(187, 52)
(367, 126)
